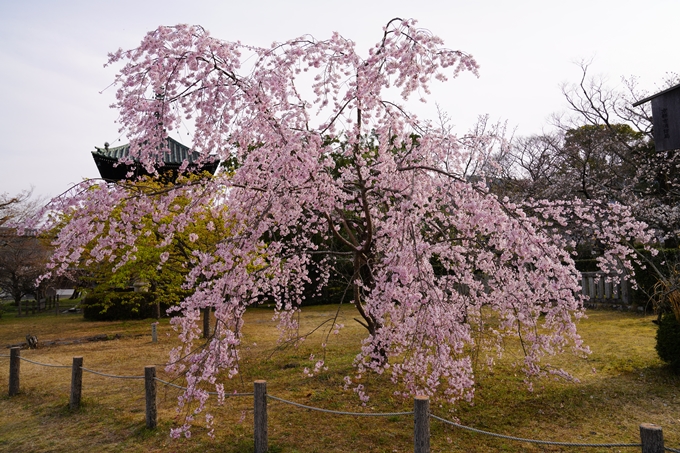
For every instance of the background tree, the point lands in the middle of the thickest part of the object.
(643, 179)
(156, 265)
(22, 262)
(603, 149)
(23, 255)
(330, 166)
(19, 209)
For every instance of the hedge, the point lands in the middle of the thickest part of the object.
(114, 306)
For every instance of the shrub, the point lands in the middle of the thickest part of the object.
(668, 341)
(115, 305)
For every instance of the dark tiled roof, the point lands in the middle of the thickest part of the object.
(176, 153)
(107, 160)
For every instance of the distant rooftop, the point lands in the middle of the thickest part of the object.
(110, 167)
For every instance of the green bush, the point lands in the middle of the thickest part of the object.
(668, 341)
(117, 305)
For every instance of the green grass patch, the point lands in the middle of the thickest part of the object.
(620, 385)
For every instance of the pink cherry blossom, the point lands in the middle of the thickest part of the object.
(332, 172)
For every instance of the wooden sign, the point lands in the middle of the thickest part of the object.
(666, 118)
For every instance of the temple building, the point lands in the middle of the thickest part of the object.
(112, 169)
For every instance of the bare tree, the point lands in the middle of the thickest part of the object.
(16, 210)
(531, 167)
(23, 255)
(602, 148)
(650, 182)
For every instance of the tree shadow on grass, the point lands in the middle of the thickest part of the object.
(605, 408)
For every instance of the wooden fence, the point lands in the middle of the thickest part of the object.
(34, 306)
(604, 292)
(651, 436)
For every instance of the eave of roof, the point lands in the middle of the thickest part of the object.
(660, 93)
(111, 167)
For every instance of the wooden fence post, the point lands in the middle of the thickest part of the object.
(600, 287)
(76, 383)
(421, 430)
(14, 366)
(584, 284)
(608, 290)
(651, 437)
(150, 388)
(261, 442)
(625, 295)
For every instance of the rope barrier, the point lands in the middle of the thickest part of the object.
(329, 411)
(110, 375)
(363, 414)
(44, 364)
(170, 384)
(209, 393)
(532, 441)
(232, 394)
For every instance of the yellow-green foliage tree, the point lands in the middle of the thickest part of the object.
(152, 279)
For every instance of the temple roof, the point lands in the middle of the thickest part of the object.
(175, 154)
(110, 167)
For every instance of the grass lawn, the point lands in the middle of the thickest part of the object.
(621, 385)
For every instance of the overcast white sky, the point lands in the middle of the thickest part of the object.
(52, 54)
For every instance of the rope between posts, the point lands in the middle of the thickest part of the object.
(358, 414)
(533, 441)
(110, 375)
(361, 414)
(232, 394)
(209, 393)
(44, 364)
(170, 384)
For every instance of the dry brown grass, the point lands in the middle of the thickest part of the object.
(622, 384)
